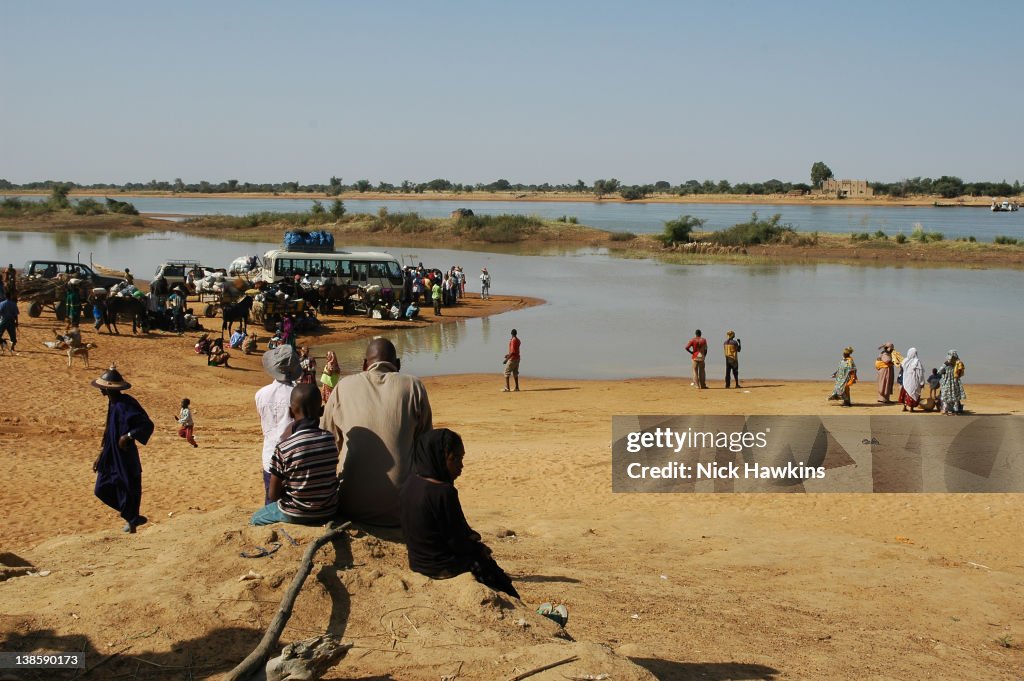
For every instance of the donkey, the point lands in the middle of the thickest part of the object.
(237, 312)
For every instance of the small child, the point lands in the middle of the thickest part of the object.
(934, 382)
(185, 421)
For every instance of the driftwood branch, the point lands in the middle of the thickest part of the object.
(544, 668)
(258, 657)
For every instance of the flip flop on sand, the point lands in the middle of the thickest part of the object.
(558, 614)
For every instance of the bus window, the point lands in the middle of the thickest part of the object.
(330, 268)
(395, 273)
(359, 271)
(314, 267)
(283, 267)
(345, 269)
(376, 270)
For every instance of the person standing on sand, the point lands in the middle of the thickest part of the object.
(435, 296)
(913, 381)
(118, 469)
(952, 388)
(9, 320)
(846, 376)
(512, 361)
(186, 423)
(273, 402)
(485, 283)
(886, 373)
(732, 358)
(698, 349)
(376, 416)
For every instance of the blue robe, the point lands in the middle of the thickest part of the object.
(119, 475)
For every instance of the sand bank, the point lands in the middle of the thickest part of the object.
(688, 586)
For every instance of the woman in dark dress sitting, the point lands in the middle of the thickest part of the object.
(441, 543)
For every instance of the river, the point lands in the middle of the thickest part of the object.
(607, 317)
(953, 222)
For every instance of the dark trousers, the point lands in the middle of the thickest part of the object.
(732, 366)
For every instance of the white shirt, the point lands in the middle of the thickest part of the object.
(272, 404)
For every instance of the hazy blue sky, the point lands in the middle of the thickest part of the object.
(528, 91)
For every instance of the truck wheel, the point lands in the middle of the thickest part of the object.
(62, 311)
(35, 309)
(211, 310)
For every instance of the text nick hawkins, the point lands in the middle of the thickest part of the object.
(715, 471)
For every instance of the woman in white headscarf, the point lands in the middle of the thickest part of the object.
(913, 380)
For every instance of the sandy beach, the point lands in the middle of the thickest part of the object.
(681, 586)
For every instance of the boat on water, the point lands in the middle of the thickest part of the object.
(1004, 207)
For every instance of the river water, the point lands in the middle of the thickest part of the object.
(953, 222)
(607, 317)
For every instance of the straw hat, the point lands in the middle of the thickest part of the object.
(111, 380)
(282, 363)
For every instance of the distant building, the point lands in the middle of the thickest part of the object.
(846, 188)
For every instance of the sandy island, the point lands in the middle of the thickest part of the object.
(779, 586)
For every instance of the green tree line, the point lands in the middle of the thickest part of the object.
(945, 186)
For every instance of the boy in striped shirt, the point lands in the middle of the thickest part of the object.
(304, 467)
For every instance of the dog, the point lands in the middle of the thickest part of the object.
(80, 351)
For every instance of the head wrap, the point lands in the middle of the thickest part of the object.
(431, 451)
(848, 350)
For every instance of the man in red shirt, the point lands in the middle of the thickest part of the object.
(698, 349)
(512, 361)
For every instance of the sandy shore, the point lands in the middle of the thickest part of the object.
(785, 586)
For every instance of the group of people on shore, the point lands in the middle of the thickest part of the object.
(364, 449)
(945, 383)
(698, 349)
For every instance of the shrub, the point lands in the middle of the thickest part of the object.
(1005, 240)
(678, 231)
(860, 236)
(499, 228)
(622, 236)
(88, 207)
(934, 236)
(337, 208)
(881, 235)
(122, 207)
(569, 219)
(901, 238)
(755, 231)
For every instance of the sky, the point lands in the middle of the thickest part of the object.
(527, 91)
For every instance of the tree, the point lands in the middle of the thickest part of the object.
(337, 208)
(59, 195)
(819, 173)
(362, 186)
(679, 230)
(602, 187)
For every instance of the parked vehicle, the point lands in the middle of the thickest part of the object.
(50, 269)
(339, 275)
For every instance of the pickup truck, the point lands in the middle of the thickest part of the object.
(48, 269)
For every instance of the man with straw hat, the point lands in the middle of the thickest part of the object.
(118, 469)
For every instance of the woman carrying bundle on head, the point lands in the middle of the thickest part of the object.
(440, 542)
